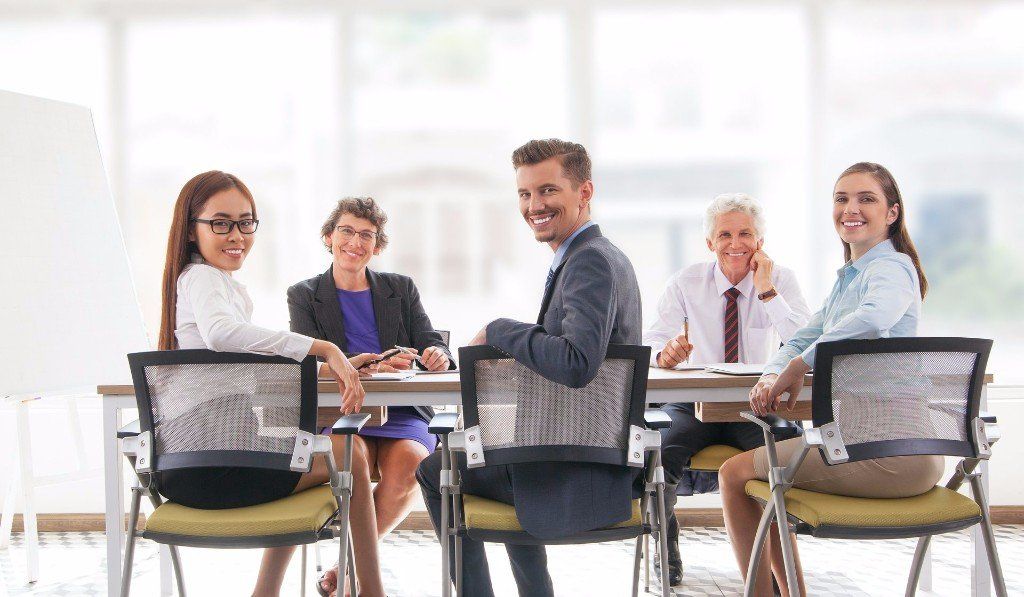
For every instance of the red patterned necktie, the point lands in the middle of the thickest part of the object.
(732, 326)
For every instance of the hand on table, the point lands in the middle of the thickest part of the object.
(434, 359)
(676, 351)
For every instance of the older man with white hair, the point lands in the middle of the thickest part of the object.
(739, 308)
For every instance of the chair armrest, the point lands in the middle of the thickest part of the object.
(350, 424)
(443, 423)
(987, 417)
(655, 418)
(783, 428)
(130, 430)
(779, 427)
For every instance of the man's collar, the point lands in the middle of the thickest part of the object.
(745, 286)
(563, 248)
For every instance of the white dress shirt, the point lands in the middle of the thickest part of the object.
(698, 292)
(214, 311)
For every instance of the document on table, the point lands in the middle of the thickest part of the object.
(736, 368)
(396, 376)
(425, 372)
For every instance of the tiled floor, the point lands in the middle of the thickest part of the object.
(73, 564)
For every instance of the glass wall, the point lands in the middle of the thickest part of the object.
(421, 109)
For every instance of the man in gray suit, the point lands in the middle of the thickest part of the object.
(591, 299)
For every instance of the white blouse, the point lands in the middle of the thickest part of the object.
(214, 311)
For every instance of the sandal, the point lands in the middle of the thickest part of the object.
(320, 583)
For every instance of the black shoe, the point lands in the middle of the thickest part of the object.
(675, 569)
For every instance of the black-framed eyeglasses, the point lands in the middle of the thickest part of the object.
(347, 233)
(224, 226)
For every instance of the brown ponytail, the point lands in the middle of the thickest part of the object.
(191, 200)
(898, 229)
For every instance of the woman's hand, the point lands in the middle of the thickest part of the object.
(790, 381)
(401, 361)
(352, 393)
(434, 359)
(759, 393)
(360, 361)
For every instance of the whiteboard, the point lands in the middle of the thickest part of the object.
(68, 311)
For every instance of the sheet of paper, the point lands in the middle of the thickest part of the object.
(425, 372)
(736, 368)
(396, 376)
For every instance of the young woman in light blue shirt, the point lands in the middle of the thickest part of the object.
(877, 294)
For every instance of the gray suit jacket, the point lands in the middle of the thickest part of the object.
(594, 300)
(314, 310)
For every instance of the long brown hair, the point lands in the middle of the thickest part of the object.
(191, 200)
(898, 229)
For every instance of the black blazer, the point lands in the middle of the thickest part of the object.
(593, 301)
(314, 310)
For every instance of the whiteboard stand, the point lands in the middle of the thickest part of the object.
(23, 481)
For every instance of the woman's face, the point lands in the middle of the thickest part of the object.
(353, 242)
(860, 212)
(224, 251)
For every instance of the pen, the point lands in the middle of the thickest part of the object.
(410, 351)
(686, 327)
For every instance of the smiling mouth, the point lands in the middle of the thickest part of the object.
(234, 252)
(351, 254)
(540, 220)
(853, 224)
(736, 254)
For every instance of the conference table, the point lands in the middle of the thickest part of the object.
(663, 386)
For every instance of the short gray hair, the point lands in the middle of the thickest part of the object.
(730, 202)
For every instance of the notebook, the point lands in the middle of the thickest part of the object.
(735, 368)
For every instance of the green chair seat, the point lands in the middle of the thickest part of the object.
(488, 515)
(712, 458)
(299, 515)
(938, 508)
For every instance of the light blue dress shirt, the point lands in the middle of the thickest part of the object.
(562, 248)
(876, 296)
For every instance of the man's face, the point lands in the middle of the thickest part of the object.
(549, 203)
(734, 242)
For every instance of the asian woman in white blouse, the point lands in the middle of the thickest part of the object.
(211, 235)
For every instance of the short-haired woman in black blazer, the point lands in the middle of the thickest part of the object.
(363, 311)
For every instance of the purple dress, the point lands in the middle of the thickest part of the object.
(361, 336)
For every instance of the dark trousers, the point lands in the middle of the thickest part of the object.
(529, 562)
(687, 436)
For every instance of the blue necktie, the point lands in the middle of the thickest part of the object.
(551, 278)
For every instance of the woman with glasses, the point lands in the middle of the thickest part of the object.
(212, 231)
(369, 312)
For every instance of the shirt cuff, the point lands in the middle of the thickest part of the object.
(778, 309)
(297, 346)
(809, 354)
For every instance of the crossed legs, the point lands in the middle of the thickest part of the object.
(363, 523)
(393, 497)
(742, 515)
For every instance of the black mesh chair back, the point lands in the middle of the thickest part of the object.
(205, 408)
(523, 417)
(901, 396)
(446, 336)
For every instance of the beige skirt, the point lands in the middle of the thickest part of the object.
(893, 477)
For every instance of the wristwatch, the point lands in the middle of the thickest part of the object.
(770, 293)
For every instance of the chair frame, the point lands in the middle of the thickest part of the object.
(825, 437)
(643, 440)
(780, 428)
(137, 447)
